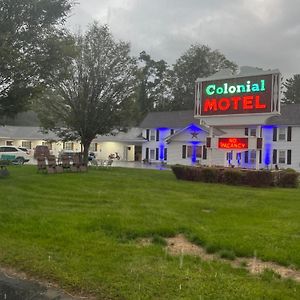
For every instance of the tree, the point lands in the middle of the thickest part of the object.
(292, 92)
(90, 100)
(151, 85)
(32, 46)
(197, 62)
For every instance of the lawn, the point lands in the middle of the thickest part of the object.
(82, 231)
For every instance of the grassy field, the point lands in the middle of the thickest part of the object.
(81, 231)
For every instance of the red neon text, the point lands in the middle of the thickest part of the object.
(233, 143)
(234, 103)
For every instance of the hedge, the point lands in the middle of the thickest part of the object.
(261, 178)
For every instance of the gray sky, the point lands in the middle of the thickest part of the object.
(259, 33)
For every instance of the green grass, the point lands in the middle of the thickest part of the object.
(80, 230)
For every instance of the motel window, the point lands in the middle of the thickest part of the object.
(281, 134)
(252, 156)
(189, 151)
(9, 143)
(152, 154)
(93, 147)
(48, 144)
(26, 144)
(68, 146)
(252, 131)
(281, 156)
(165, 154)
(152, 135)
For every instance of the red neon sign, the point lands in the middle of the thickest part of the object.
(233, 143)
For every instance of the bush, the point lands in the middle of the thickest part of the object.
(288, 179)
(232, 176)
(258, 178)
(187, 173)
(210, 175)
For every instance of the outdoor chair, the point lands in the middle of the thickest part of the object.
(52, 167)
(78, 164)
(41, 164)
(107, 163)
(65, 163)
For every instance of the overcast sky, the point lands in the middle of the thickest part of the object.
(259, 33)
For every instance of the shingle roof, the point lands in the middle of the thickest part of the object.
(290, 115)
(169, 119)
(25, 132)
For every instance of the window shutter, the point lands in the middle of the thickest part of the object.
(289, 157)
(204, 156)
(246, 131)
(166, 154)
(274, 134)
(289, 133)
(157, 154)
(274, 156)
(157, 135)
(260, 156)
(147, 134)
(147, 153)
(183, 151)
(246, 157)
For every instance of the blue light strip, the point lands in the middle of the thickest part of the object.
(268, 138)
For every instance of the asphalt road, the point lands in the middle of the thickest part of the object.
(16, 289)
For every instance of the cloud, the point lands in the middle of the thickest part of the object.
(262, 33)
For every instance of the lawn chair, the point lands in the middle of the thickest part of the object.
(41, 164)
(107, 163)
(65, 163)
(52, 167)
(78, 164)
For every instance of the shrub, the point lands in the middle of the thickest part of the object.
(259, 178)
(232, 176)
(288, 179)
(210, 175)
(187, 173)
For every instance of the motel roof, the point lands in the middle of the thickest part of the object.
(169, 119)
(25, 133)
(290, 115)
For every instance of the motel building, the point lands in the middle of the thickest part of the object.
(238, 121)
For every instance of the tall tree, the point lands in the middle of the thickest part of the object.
(91, 99)
(32, 44)
(292, 90)
(197, 62)
(152, 88)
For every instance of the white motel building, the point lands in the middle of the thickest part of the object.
(237, 121)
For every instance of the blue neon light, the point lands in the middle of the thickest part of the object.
(268, 137)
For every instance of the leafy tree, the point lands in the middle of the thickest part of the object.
(91, 99)
(152, 88)
(197, 62)
(32, 46)
(292, 92)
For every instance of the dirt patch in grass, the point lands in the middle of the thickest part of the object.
(179, 245)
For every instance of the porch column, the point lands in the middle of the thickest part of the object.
(258, 135)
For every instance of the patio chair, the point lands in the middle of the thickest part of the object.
(65, 163)
(41, 164)
(52, 167)
(107, 163)
(78, 164)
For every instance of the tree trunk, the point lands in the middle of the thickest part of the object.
(86, 147)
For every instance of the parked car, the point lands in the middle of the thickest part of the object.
(13, 154)
(41, 150)
(25, 150)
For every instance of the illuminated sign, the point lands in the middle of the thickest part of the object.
(240, 95)
(233, 143)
